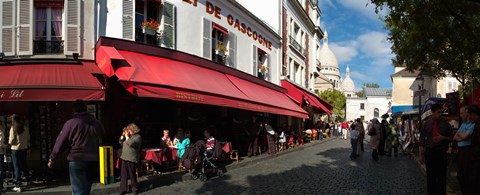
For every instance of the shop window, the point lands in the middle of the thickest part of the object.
(261, 63)
(219, 44)
(362, 106)
(48, 30)
(376, 113)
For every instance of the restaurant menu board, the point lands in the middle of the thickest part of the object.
(271, 144)
(453, 104)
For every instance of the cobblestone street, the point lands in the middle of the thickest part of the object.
(321, 169)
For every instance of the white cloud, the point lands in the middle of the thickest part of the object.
(365, 7)
(375, 44)
(344, 53)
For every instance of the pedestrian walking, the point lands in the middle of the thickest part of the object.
(80, 136)
(19, 139)
(353, 140)
(131, 145)
(374, 131)
(361, 135)
(462, 137)
(344, 129)
(392, 139)
(383, 137)
(3, 146)
(434, 139)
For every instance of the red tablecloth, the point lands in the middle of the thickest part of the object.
(159, 156)
(227, 147)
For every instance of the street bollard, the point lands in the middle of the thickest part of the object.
(106, 164)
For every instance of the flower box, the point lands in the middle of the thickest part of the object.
(149, 31)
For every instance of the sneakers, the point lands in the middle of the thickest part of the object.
(17, 189)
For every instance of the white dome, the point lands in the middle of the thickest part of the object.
(327, 57)
(347, 83)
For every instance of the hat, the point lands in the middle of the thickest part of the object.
(269, 129)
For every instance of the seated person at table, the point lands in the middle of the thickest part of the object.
(177, 137)
(166, 141)
(183, 143)
(210, 144)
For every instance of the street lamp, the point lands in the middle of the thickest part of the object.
(420, 80)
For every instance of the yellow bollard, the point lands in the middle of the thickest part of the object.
(106, 164)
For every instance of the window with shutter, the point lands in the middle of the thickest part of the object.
(128, 6)
(232, 45)
(168, 38)
(72, 37)
(207, 36)
(25, 20)
(7, 22)
(255, 60)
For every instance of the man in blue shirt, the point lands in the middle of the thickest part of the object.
(463, 142)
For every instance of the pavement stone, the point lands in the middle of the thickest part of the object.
(319, 169)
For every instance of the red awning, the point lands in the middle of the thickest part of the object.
(301, 95)
(157, 77)
(49, 82)
(220, 28)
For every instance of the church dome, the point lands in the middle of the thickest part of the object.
(327, 57)
(347, 83)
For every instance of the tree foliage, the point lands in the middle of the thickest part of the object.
(371, 85)
(437, 37)
(337, 99)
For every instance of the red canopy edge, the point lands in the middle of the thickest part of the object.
(157, 77)
(300, 94)
(50, 82)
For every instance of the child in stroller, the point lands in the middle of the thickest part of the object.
(200, 163)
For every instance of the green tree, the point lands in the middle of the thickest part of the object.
(337, 99)
(437, 37)
(359, 93)
(371, 85)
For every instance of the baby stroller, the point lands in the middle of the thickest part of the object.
(200, 163)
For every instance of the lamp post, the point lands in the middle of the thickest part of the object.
(420, 81)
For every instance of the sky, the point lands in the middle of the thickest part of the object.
(359, 39)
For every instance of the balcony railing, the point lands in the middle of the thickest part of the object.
(297, 46)
(47, 47)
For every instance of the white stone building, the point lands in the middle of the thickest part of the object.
(348, 86)
(374, 104)
(329, 64)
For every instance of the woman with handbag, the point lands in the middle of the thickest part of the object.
(374, 131)
(19, 139)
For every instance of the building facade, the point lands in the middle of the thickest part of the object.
(329, 64)
(374, 104)
(301, 41)
(221, 31)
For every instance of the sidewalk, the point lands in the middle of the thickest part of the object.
(152, 181)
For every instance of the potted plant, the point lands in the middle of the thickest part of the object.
(262, 70)
(150, 27)
(220, 49)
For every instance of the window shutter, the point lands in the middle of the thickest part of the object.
(255, 61)
(168, 38)
(128, 27)
(72, 36)
(7, 30)
(25, 31)
(232, 45)
(207, 38)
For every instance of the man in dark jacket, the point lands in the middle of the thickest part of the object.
(80, 136)
(435, 136)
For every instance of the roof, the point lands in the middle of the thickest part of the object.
(406, 73)
(377, 92)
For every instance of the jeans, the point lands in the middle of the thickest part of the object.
(354, 148)
(81, 177)
(19, 159)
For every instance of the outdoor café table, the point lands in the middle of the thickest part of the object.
(160, 156)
